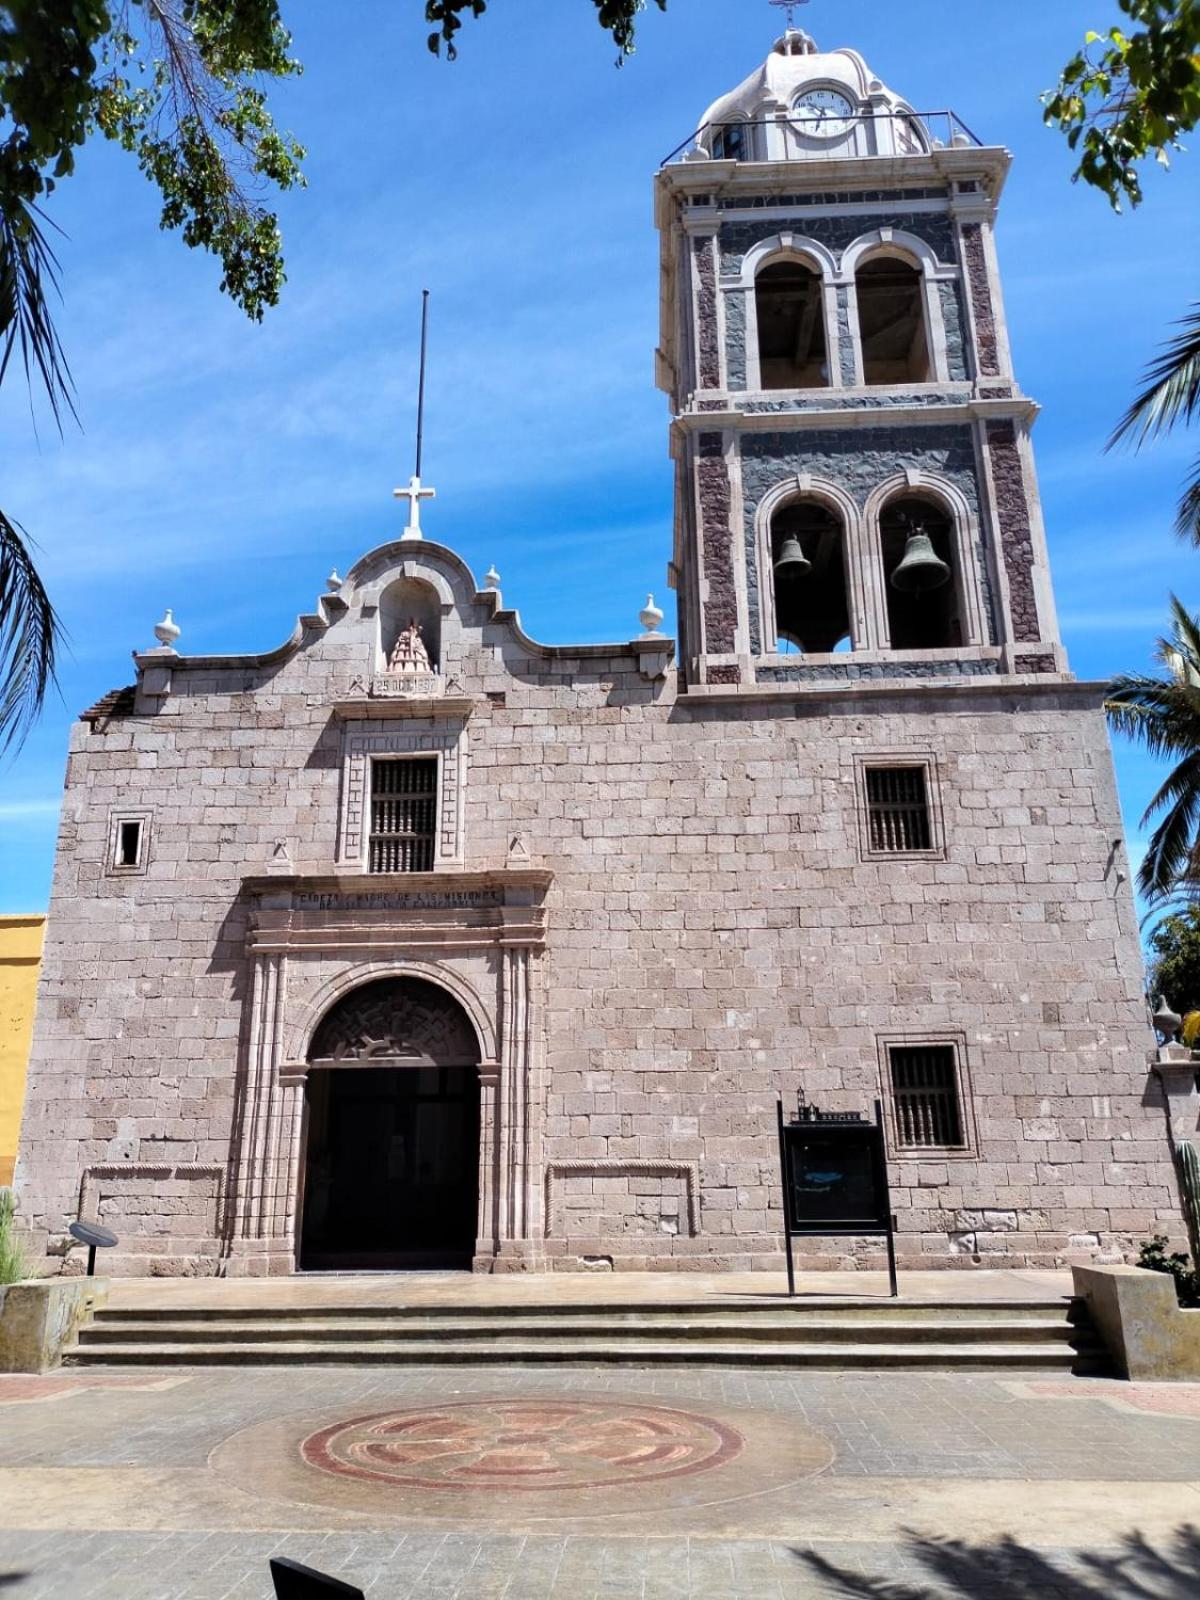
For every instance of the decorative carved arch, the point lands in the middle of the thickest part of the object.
(326, 998)
(930, 486)
(787, 244)
(805, 486)
(893, 242)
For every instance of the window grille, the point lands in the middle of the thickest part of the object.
(403, 816)
(898, 810)
(925, 1097)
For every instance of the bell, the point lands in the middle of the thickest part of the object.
(791, 561)
(920, 567)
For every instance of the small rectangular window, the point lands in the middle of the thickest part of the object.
(898, 817)
(404, 797)
(925, 1097)
(129, 844)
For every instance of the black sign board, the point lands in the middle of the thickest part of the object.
(834, 1171)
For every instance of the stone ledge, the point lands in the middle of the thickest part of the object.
(40, 1317)
(1148, 1334)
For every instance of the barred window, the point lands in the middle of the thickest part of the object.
(925, 1097)
(898, 810)
(404, 797)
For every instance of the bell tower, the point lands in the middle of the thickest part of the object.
(855, 487)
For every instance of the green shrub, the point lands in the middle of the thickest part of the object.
(14, 1264)
(1153, 1254)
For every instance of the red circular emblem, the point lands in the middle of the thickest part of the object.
(523, 1444)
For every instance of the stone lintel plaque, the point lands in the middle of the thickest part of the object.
(415, 910)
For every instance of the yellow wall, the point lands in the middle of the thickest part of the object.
(20, 959)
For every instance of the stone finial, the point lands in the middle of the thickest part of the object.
(650, 616)
(333, 582)
(1166, 1021)
(167, 631)
(491, 578)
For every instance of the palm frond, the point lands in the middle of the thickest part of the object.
(1171, 847)
(1187, 518)
(30, 635)
(28, 275)
(1172, 392)
(1182, 781)
(1184, 641)
(1162, 716)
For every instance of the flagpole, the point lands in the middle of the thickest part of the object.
(421, 381)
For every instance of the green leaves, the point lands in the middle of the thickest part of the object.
(1163, 714)
(29, 636)
(618, 17)
(1171, 395)
(186, 101)
(1132, 98)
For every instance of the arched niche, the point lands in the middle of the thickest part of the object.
(402, 603)
(812, 598)
(927, 619)
(893, 326)
(790, 324)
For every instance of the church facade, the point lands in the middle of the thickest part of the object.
(415, 942)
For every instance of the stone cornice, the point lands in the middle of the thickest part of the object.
(838, 173)
(377, 707)
(1017, 408)
(446, 880)
(808, 699)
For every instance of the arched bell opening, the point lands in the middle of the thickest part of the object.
(392, 1127)
(790, 316)
(922, 583)
(410, 628)
(808, 555)
(891, 322)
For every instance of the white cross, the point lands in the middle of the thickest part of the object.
(414, 494)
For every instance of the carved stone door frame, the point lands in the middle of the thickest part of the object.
(413, 925)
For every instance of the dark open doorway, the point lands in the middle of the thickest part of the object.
(392, 1169)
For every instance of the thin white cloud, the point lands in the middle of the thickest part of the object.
(26, 810)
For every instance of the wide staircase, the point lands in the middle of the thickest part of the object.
(1011, 1335)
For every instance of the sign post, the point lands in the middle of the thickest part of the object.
(834, 1171)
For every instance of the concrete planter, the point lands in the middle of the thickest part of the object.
(40, 1317)
(1147, 1332)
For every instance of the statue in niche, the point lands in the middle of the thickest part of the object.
(409, 656)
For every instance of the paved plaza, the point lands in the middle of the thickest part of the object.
(661, 1484)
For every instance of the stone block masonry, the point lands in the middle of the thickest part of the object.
(708, 937)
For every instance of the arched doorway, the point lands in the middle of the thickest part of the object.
(391, 1169)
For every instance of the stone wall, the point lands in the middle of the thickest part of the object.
(714, 938)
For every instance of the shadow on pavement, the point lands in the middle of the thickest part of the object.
(1008, 1570)
(8, 1579)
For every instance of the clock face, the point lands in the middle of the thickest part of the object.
(824, 113)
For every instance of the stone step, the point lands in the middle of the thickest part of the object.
(1048, 1355)
(238, 1329)
(772, 1308)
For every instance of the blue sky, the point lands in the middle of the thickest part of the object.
(224, 467)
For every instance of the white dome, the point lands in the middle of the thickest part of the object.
(795, 69)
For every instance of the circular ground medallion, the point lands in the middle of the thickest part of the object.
(523, 1444)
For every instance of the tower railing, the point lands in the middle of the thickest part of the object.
(914, 133)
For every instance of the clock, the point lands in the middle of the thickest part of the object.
(824, 113)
